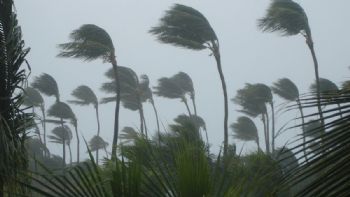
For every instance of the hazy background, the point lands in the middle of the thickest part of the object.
(248, 56)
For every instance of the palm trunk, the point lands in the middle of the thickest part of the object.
(303, 128)
(263, 119)
(310, 44)
(144, 124)
(187, 107)
(273, 126)
(141, 120)
(70, 155)
(267, 132)
(43, 122)
(64, 154)
(223, 83)
(156, 114)
(78, 141)
(258, 143)
(194, 104)
(98, 129)
(116, 117)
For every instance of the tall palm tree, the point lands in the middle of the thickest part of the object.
(287, 90)
(169, 88)
(63, 111)
(62, 135)
(85, 96)
(186, 27)
(245, 129)
(252, 98)
(32, 97)
(91, 42)
(289, 18)
(131, 93)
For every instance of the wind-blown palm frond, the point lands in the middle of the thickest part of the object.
(286, 17)
(84, 95)
(61, 134)
(168, 88)
(185, 27)
(286, 89)
(197, 120)
(47, 85)
(245, 129)
(61, 110)
(97, 143)
(32, 97)
(89, 42)
(184, 81)
(327, 88)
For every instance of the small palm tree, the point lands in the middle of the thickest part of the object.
(47, 85)
(169, 88)
(290, 19)
(245, 129)
(32, 97)
(287, 90)
(186, 27)
(91, 42)
(96, 143)
(85, 96)
(131, 92)
(63, 111)
(62, 135)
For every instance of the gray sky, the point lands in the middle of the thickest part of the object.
(248, 56)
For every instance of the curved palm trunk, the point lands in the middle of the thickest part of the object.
(144, 124)
(70, 155)
(273, 126)
(223, 83)
(187, 107)
(43, 122)
(156, 114)
(116, 117)
(310, 44)
(141, 119)
(78, 142)
(194, 104)
(303, 128)
(267, 132)
(98, 129)
(263, 119)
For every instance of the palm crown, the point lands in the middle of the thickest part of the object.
(47, 85)
(286, 89)
(84, 96)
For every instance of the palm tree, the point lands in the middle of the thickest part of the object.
(96, 143)
(169, 88)
(245, 129)
(186, 27)
(328, 90)
(33, 98)
(91, 42)
(289, 18)
(62, 135)
(287, 90)
(85, 96)
(47, 85)
(12, 118)
(63, 111)
(252, 98)
(131, 92)
(185, 83)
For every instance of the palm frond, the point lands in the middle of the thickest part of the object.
(85, 96)
(61, 110)
(286, 89)
(32, 97)
(245, 129)
(47, 85)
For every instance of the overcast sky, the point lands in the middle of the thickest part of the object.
(248, 56)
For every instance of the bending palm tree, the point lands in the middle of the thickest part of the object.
(185, 82)
(245, 129)
(96, 143)
(131, 93)
(85, 96)
(287, 90)
(62, 135)
(186, 27)
(91, 42)
(290, 19)
(34, 98)
(63, 111)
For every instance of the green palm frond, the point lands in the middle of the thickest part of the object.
(184, 81)
(197, 120)
(89, 42)
(185, 27)
(327, 87)
(32, 97)
(245, 129)
(84, 96)
(286, 89)
(168, 88)
(47, 85)
(286, 17)
(61, 110)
